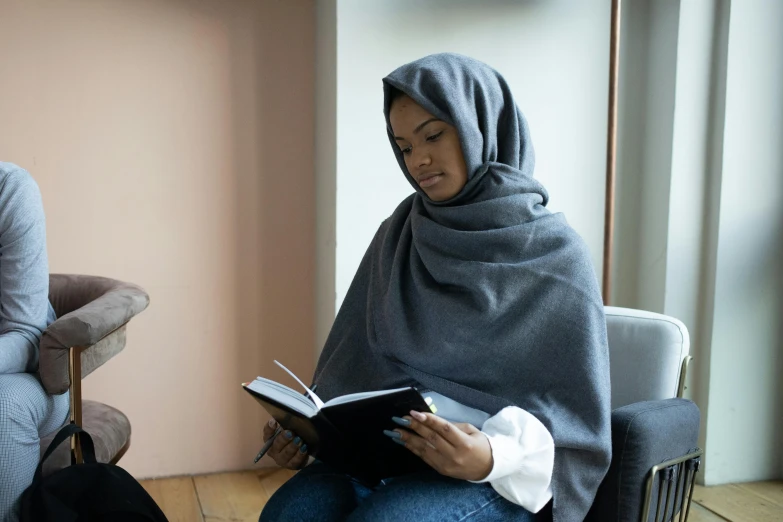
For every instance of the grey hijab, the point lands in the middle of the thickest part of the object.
(487, 298)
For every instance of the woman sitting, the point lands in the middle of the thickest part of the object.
(475, 293)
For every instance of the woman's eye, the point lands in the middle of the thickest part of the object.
(406, 150)
(434, 137)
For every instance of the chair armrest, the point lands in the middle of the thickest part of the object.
(643, 434)
(97, 327)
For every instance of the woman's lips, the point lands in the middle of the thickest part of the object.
(428, 180)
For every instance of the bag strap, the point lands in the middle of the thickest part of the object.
(85, 442)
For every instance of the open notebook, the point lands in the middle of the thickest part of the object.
(345, 432)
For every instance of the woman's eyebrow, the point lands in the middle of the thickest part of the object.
(419, 127)
(422, 125)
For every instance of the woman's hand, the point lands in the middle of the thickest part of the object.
(456, 450)
(288, 450)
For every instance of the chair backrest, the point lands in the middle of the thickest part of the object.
(646, 352)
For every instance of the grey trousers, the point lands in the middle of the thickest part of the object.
(27, 413)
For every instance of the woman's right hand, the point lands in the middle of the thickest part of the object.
(288, 450)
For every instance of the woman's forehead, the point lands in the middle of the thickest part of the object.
(405, 108)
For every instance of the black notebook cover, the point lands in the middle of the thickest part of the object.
(349, 436)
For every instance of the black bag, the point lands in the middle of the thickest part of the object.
(89, 492)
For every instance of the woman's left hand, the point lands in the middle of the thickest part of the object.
(456, 450)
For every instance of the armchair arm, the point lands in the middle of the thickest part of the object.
(96, 312)
(644, 435)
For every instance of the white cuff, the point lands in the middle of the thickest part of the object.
(523, 453)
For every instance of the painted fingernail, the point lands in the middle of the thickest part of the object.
(297, 441)
(288, 435)
(392, 434)
(272, 423)
(418, 416)
(399, 441)
(303, 449)
(401, 422)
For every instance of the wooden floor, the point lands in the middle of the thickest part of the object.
(239, 497)
(223, 497)
(755, 502)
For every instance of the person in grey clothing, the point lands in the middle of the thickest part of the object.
(27, 412)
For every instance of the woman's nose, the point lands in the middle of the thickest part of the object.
(422, 159)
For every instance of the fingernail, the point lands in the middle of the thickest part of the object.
(297, 441)
(392, 434)
(399, 441)
(401, 422)
(288, 435)
(303, 449)
(418, 416)
(271, 423)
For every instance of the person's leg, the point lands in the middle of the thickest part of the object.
(27, 412)
(316, 493)
(428, 496)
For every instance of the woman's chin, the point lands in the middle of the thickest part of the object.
(438, 194)
(440, 191)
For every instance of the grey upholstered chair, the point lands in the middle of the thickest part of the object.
(92, 316)
(654, 430)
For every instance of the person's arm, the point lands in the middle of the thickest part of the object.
(514, 452)
(523, 454)
(24, 271)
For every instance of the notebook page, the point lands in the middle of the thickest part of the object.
(317, 400)
(283, 395)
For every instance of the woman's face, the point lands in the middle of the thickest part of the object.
(431, 149)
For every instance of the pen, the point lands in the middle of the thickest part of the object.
(268, 444)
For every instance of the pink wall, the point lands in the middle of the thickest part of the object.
(173, 144)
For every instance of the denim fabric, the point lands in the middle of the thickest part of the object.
(318, 493)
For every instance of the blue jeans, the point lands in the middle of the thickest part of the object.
(319, 493)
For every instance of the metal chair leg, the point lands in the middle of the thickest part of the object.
(688, 466)
(693, 466)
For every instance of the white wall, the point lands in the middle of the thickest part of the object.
(555, 56)
(745, 424)
(657, 154)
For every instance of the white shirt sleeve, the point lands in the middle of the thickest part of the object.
(523, 452)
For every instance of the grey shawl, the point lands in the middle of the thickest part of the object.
(487, 298)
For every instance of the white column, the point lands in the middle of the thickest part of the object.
(745, 418)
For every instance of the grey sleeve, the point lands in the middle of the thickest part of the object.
(24, 271)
